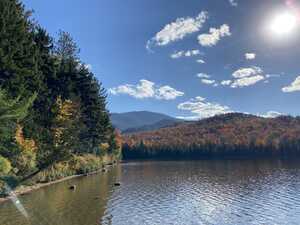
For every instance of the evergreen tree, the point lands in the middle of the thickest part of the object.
(18, 65)
(95, 115)
(68, 114)
(12, 111)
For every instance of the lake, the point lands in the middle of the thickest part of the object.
(170, 192)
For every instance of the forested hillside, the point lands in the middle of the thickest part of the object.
(221, 136)
(53, 116)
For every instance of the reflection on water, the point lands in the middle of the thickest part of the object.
(57, 205)
(183, 192)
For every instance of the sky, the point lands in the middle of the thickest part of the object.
(190, 59)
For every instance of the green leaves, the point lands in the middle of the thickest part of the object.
(14, 109)
(36, 71)
(5, 166)
(11, 112)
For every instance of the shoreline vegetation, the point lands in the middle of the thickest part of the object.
(54, 122)
(24, 190)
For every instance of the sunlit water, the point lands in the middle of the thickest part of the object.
(184, 192)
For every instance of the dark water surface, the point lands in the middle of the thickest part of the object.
(183, 192)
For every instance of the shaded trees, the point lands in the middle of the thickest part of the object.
(62, 104)
(12, 111)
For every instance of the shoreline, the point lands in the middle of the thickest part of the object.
(23, 190)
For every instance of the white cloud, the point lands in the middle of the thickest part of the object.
(203, 75)
(226, 82)
(188, 53)
(147, 89)
(294, 86)
(178, 30)
(167, 93)
(270, 114)
(247, 72)
(202, 108)
(192, 53)
(189, 118)
(246, 81)
(207, 81)
(244, 77)
(250, 56)
(233, 3)
(214, 36)
(201, 61)
(177, 55)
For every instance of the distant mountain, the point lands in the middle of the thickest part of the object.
(160, 124)
(228, 135)
(141, 121)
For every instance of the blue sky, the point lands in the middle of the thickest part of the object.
(186, 58)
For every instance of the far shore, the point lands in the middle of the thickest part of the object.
(22, 190)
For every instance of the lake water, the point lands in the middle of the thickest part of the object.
(182, 192)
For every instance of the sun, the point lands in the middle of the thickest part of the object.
(284, 24)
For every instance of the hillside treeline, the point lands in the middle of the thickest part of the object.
(53, 112)
(230, 135)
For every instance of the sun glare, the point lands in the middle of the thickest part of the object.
(284, 23)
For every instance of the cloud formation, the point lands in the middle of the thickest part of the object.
(201, 61)
(247, 72)
(214, 36)
(250, 56)
(203, 75)
(189, 53)
(270, 114)
(147, 89)
(202, 108)
(208, 81)
(226, 82)
(178, 29)
(233, 3)
(294, 86)
(167, 93)
(244, 77)
(246, 81)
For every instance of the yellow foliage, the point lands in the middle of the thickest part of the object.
(67, 109)
(104, 146)
(67, 113)
(25, 144)
(26, 160)
(5, 166)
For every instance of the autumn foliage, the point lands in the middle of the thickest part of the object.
(231, 135)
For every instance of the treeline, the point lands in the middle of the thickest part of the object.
(52, 107)
(230, 135)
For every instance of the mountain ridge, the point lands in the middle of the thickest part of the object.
(141, 120)
(233, 134)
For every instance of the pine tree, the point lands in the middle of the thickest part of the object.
(95, 114)
(35, 67)
(18, 65)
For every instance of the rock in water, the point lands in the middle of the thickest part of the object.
(72, 187)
